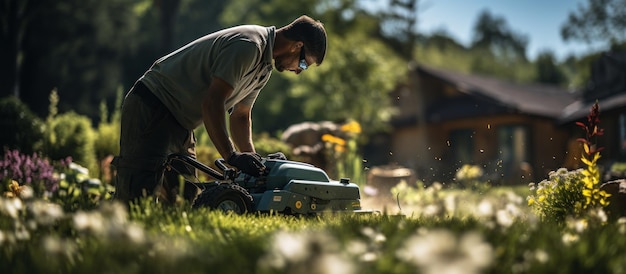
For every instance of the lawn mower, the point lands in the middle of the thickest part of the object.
(287, 187)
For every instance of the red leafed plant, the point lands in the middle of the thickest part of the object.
(591, 154)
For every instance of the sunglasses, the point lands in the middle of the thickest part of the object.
(302, 65)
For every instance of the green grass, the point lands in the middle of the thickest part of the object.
(489, 232)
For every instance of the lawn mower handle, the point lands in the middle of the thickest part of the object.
(227, 173)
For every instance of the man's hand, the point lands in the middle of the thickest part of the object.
(277, 155)
(246, 162)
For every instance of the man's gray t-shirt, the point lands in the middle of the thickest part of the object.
(241, 56)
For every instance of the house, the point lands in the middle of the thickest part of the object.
(448, 119)
(607, 86)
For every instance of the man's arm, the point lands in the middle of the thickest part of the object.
(241, 127)
(214, 117)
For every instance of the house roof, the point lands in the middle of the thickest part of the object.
(534, 99)
(580, 108)
(607, 85)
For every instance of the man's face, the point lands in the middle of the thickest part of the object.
(296, 61)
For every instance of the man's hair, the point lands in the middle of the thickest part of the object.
(311, 32)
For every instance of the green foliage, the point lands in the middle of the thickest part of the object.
(559, 196)
(265, 144)
(576, 194)
(85, 41)
(619, 167)
(471, 176)
(491, 32)
(447, 229)
(547, 70)
(353, 83)
(26, 176)
(21, 128)
(107, 141)
(63, 182)
(593, 195)
(599, 20)
(71, 134)
(342, 154)
(77, 190)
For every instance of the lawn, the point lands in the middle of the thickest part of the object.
(433, 230)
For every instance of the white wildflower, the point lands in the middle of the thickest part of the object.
(542, 256)
(135, 233)
(440, 251)
(504, 218)
(11, 206)
(56, 245)
(450, 202)
(485, 209)
(621, 222)
(577, 225)
(26, 192)
(569, 238)
(305, 252)
(374, 235)
(21, 233)
(46, 213)
(431, 210)
(78, 168)
(89, 222)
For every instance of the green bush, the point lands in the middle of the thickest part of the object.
(71, 134)
(108, 131)
(265, 144)
(21, 128)
(107, 141)
(559, 196)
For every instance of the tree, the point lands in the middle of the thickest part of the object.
(548, 72)
(399, 26)
(600, 20)
(354, 80)
(499, 51)
(76, 46)
(493, 33)
(168, 10)
(354, 83)
(15, 16)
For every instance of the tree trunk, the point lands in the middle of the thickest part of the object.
(168, 10)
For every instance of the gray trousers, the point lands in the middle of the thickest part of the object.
(149, 132)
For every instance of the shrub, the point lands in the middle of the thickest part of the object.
(559, 196)
(21, 128)
(77, 190)
(265, 144)
(107, 140)
(573, 193)
(71, 134)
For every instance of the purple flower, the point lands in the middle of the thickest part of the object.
(31, 170)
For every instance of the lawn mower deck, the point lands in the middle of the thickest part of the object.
(287, 187)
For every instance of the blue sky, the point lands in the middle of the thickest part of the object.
(539, 20)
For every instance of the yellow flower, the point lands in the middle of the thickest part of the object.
(333, 139)
(351, 127)
(14, 190)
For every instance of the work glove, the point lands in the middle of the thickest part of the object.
(277, 155)
(246, 162)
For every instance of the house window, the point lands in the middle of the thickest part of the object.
(513, 148)
(462, 146)
(622, 134)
